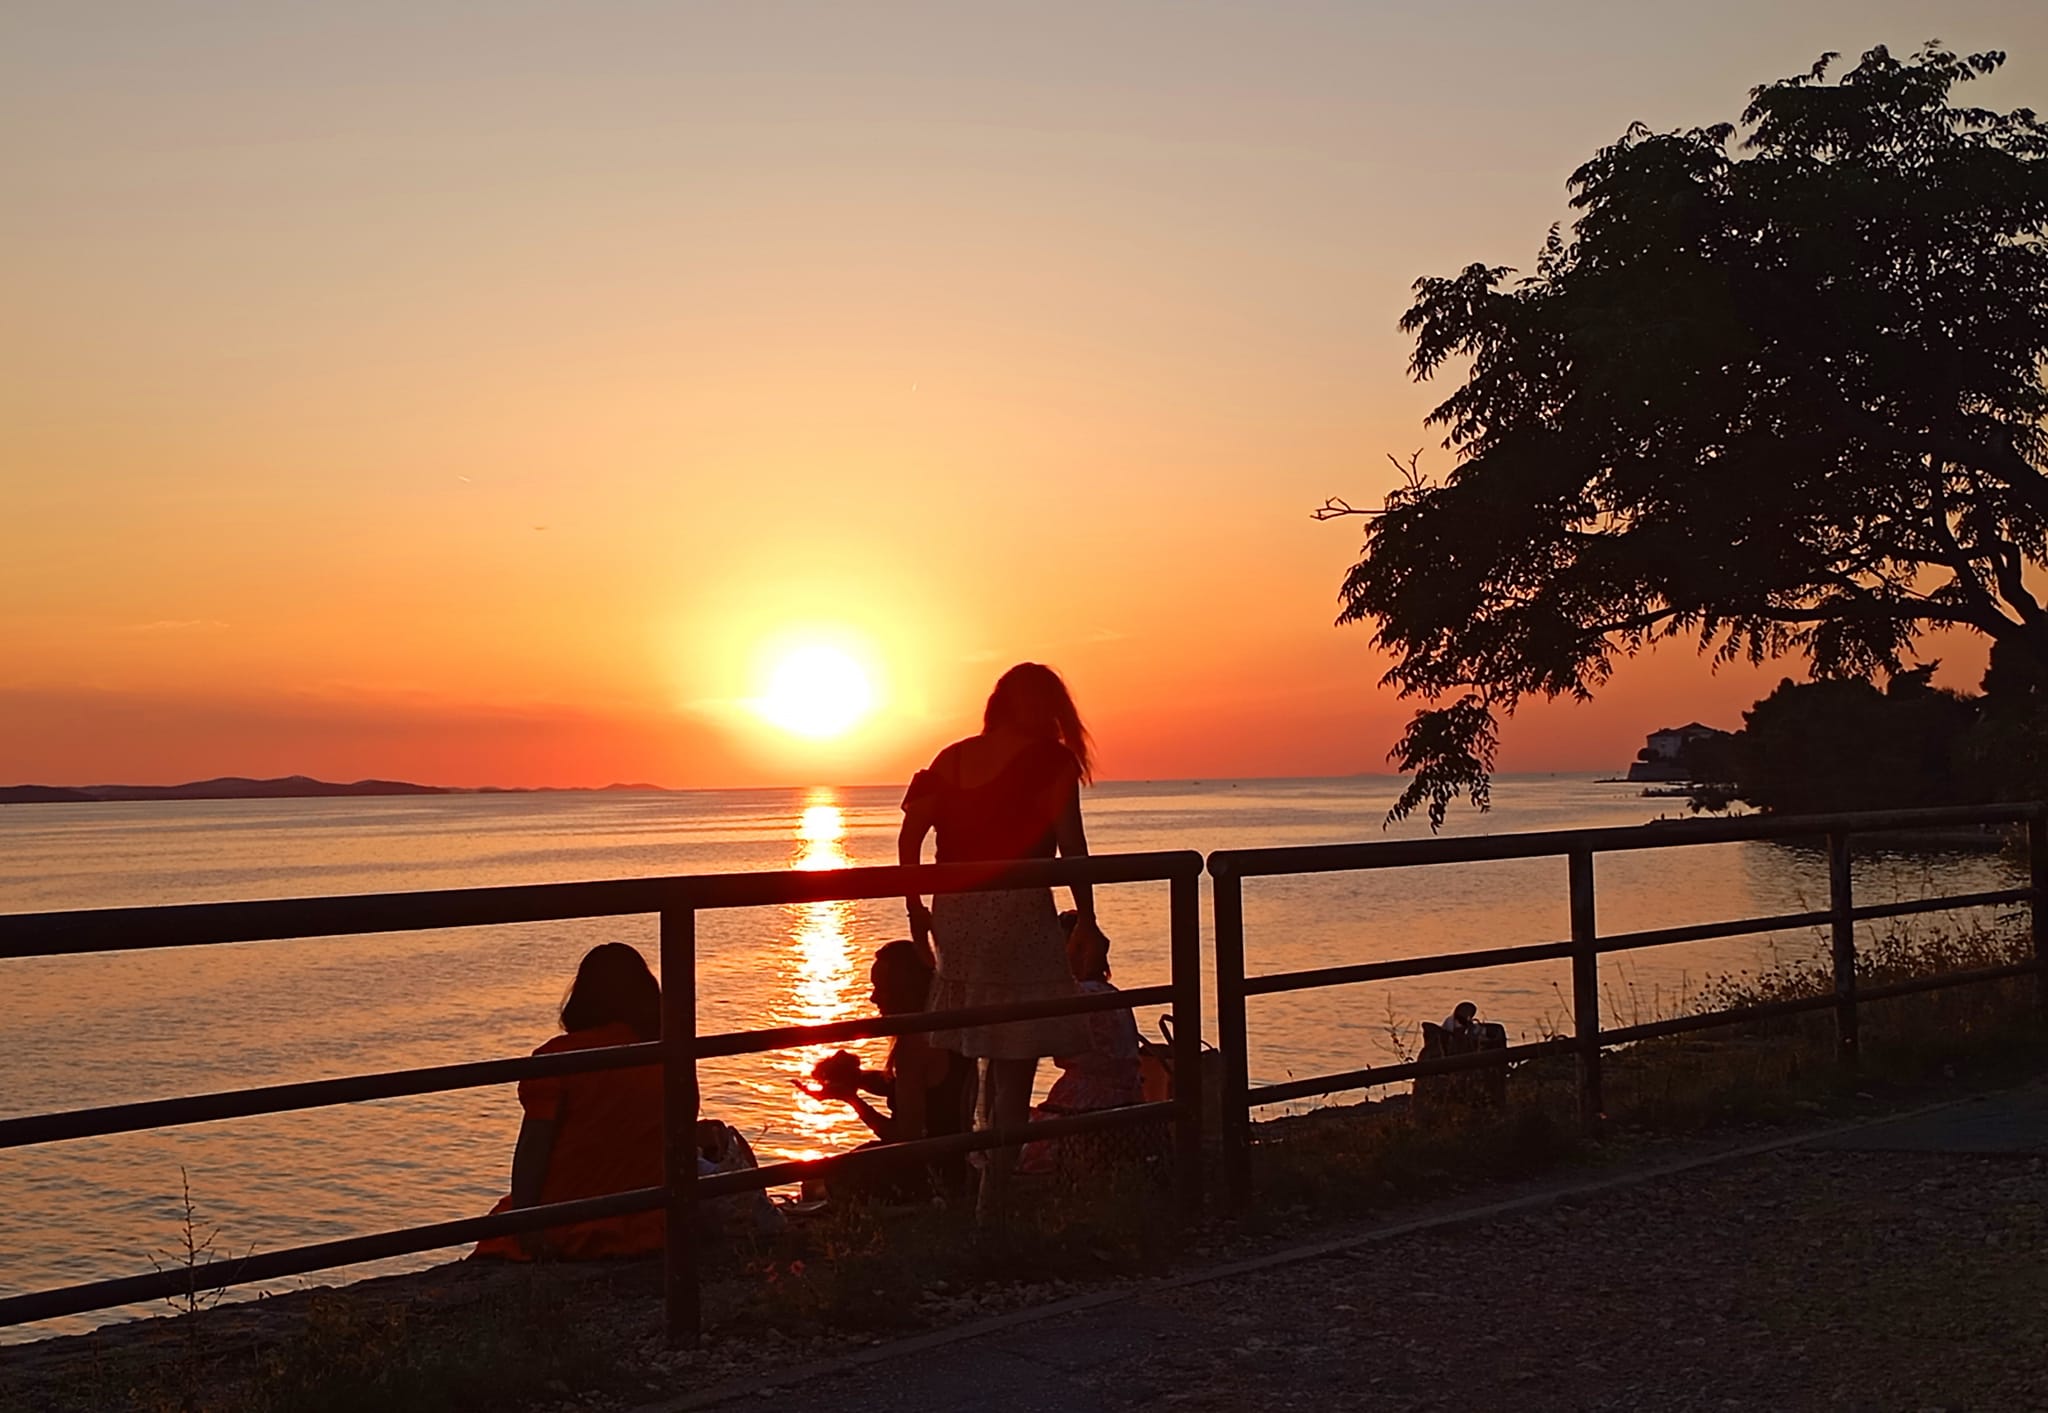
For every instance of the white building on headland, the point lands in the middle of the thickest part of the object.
(1663, 758)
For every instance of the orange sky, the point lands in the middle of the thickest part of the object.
(475, 396)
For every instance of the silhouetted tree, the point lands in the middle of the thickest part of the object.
(1711, 760)
(1781, 397)
(1841, 744)
(2006, 755)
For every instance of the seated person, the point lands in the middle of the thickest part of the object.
(1462, 1033)
(585, 1135)
(1462, 1021)
(1106, 1074)
(930, 1092)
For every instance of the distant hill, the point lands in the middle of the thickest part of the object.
(42, 795)
(226, 787)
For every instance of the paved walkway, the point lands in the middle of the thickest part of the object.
(1901, 1265)
(2015, 1122)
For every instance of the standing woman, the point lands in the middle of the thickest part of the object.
(1013, 792)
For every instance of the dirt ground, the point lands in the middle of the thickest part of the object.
(1800, 1279)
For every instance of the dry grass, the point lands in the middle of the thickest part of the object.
(1368, 1156)
(871, 1269)
(1773, 1069)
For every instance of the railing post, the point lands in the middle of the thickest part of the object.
(679, 1102)
(1842, 927)
(1226, 897)
(1185, 910)
(1586, 988)
(2037, 879)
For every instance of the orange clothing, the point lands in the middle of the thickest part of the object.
(607, 1139)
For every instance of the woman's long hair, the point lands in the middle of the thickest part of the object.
(1031, 698)
(902, 977)
(613, 985)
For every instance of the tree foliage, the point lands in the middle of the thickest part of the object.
(1841, 744)
(1780, 393)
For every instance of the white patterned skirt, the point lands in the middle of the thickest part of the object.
(996, 948)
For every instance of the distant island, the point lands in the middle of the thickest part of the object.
(239, 787)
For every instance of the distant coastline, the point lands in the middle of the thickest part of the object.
(239, 787)
(291, 787)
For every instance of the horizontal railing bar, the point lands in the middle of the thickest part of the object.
(1661, 834)
(1707, 1020)
(1941, 979)
(347, 915)
(1263, 1094)
(1941, 905)
(768, 887)
(793, 1037)
(353, 1250)
(319, 1256)
(320, 1093)
(313, 1094)
(1412, 966)
(1707, 931)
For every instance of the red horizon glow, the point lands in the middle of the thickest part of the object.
(497, 430)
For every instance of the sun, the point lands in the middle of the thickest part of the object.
(816, 690)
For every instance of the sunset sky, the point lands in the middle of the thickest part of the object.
(498, 394)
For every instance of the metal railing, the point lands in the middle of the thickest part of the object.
(1230, 867)
(676, 901)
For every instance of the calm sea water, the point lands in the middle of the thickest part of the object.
(127, 1026)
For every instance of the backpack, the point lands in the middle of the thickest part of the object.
(721, 1148)
(1155, 1073)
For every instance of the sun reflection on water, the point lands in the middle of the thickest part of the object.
(824, 980)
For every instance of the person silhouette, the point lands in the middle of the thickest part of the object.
(589, 1134)
(1106, 1075)
(1009, 793)
(929, 1090)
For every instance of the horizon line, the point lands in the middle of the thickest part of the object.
(647, 787)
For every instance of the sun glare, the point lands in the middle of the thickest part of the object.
(817, 691)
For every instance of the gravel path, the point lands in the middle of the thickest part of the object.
(1799, 1279)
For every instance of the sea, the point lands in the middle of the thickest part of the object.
(126, 1026)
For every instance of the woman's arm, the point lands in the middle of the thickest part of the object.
(879, 1123)
(919, 814)
(530, 1160)
(868, 1114)
(530, 1155)
(1073, 843)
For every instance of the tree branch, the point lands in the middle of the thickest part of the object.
(2006, 564)
(1333, 508)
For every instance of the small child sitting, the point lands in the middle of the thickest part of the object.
(1105, 1075)
(930, 1092)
